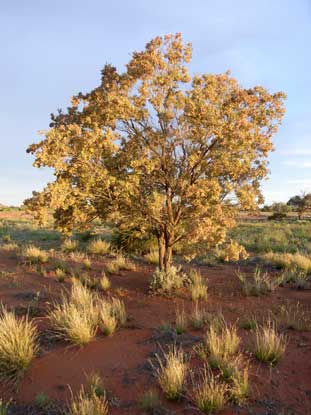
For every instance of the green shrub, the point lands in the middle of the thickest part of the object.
(168, 281)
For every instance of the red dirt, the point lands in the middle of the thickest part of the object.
(122, 359)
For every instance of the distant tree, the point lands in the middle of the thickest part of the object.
(280, 207)
(158, 150)
(301, 204)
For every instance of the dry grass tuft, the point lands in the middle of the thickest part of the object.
(85, 404)
(75, 318)
(152, 257)
(104, 282)
(198, 317)
(34, 255)
(98, 247)
(150, 401)
(18, 344)
(269, 345)
(289, 261)
(209, 394)
(259, 283)
(69, 245)
(294, 317)
(172, 372)
(181, 321)
(198, 286)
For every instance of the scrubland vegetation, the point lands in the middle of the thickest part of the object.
(146, 271)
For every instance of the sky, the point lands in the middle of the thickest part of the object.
(51, 50)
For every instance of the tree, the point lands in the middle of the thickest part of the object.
(158, 150)
(280, 207)
(300, 203)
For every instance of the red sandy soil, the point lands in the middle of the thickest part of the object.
(123, 359)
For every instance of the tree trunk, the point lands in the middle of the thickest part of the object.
(161, 247)
(168, 257)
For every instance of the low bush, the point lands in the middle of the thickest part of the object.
(168, 281)
(18, 344)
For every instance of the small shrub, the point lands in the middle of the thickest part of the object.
(98, 247)
(85, 404)
(172, 372)
(152, 257)
(150, 401)
(181, 321)
(69, 245)
(18, 344)
(210, 394)
(104, 282)
(34, 255)
(270, 346)
(168, 281)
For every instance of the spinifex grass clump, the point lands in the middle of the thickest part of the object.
(259, 283)
(198, 317)
(98, 247)
(269, 345)
(152, 257)
(69, 245)
(104, 282)
(181, 322)
(209, 393)
(18, 344)
(197, 287)
(34, 255)
(120, 263)
(289, 261)
(171, 373)
(294, 317)
(88, 404)
(221, 343)
(75, 318)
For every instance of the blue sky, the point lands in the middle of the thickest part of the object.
(50, 50)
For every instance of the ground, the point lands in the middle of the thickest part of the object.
(124, 359)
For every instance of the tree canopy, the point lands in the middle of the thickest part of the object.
(154, 148)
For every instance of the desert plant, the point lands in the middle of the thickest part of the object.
(221, 343)
(269, 345)
(85, 404)
(34, 255)
(98, 247)
(168, 281)
(259, 283)
(95, 384)
(4, 407)
(75, 318)
(171, 373)
(107, 320)
(240, 388)
(197, 287)
(294, 317)
(181, 321)
(198, 317)
(18, 344)
(69, 245)
(249, 323)
(104, 282)
(209, 394)
(152, 257)
(118, 310)
(150, 400)
(289, 261)
(87, 263)
(60, 275)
